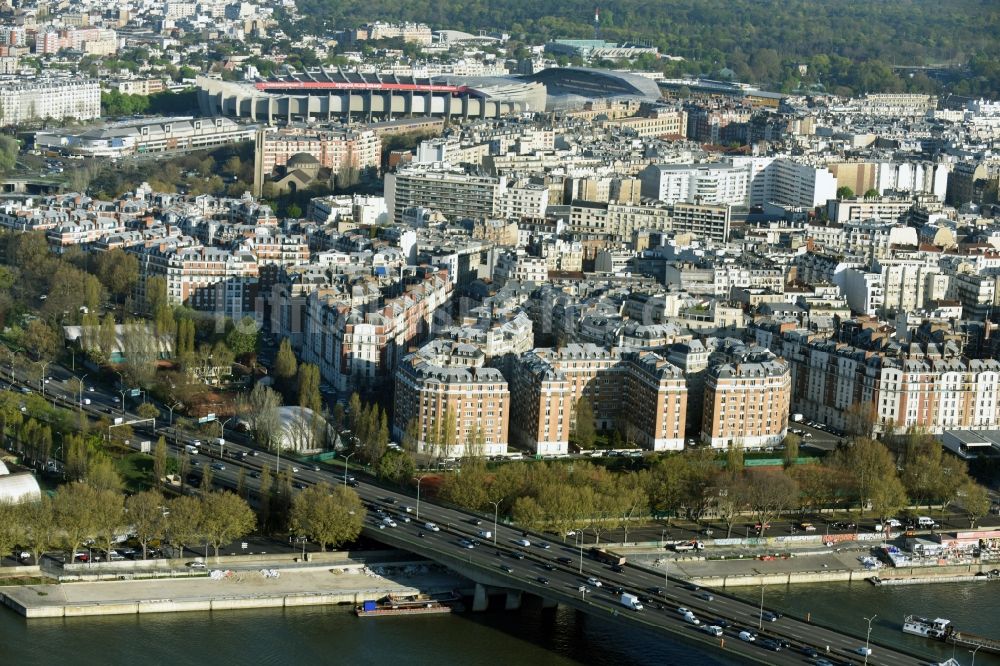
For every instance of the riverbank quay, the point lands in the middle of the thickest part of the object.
(232, 587)
(846, 561)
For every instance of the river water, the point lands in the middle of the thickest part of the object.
(559, 637)
(972, 607)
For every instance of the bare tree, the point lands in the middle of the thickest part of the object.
(768, 494)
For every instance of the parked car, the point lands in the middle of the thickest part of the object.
(196, 565)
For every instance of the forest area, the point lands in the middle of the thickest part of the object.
(850, 45)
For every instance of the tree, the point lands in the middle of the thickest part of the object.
(975, 501)
(40, 526)
(861, 420)
(845, 192)
(864, 463)
(260, 411)
(184, 522)
(354, 413)
(265, 487)
(109, 518)
(328, 516)
(242, 337)
(285, 366)
(528, 513)
(147, 410)
(11, 526)
(206, 479)
(467, 487)
(871, 193)
(40, 339)
(631, 501)
(768, 493)
(791, 443)
(309, 382)
(107, 337)
(734, 458)
(118, 271)
(396, 466)
(8, 153)
(102, 474)
(584, 431)
(227, 517)
(888, 496)
(73, 506)
(241, 482)
(160, 461)
(145, 517)
(141, 352)
(76, 458)
(732, 500)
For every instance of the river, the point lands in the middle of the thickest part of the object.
(973, 607)
(530, 636)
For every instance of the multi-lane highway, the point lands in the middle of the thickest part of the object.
(547, 567)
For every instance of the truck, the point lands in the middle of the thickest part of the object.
(631, 601)
(485, 534)
(797, 418)
(604, 556)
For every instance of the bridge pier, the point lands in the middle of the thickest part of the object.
(480, 600)
(549, 603)
(513, 600)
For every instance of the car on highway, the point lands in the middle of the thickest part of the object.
(196, 565)
(255, 474)
(543, 546)
(403, 518)
(810, 652)
(506, 569)
(617, 568)
(594, 582)
(770, 616)
(712, 630)
(722, 622)
(549, 567)
(389, 500)
(517, 555)
(681, 610)
(564, 560)
(707, 596)
(769, 644)
(392, 523)
(475, 521)
(747, 636)
(864, 651)
(295, 469)
(218, 466)
(465, 543)
(299, 485)
(432, 527)
(543, 580)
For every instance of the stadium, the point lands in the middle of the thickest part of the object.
(325, 95)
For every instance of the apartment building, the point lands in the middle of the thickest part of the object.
(638, 393)
(859, 209)
(710, 183)
(659, 123)
(209, 279)
(453, 192)
(335, 149)
(24, 100)
(929, 386)
(747, 401)
(445, 385)
(357, 336)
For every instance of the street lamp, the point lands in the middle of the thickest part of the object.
(222, 436)
(760, 620)
(496, 513)
(348, 457)
(172, 408)
(974, 654)
(80, 379)
(41, 379)
(419, 479)
(868, 637)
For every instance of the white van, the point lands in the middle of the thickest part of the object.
(523, 542)
(926, 522)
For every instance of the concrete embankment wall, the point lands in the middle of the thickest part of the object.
(916, 574)
(184, 605)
